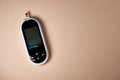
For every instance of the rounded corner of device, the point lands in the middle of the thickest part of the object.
(39, 64)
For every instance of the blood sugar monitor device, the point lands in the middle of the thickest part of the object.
(34, 40)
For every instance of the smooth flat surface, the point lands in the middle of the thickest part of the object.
(83, 38)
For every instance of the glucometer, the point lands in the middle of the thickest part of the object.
(34, 40)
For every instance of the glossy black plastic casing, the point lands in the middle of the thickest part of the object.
(36, 55)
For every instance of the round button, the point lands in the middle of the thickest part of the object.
(38, 58)
(36, 53)
(43, 54)
(33, 59)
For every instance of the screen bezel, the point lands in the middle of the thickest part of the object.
(28, 24)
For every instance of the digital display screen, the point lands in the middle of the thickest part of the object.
(33, 37)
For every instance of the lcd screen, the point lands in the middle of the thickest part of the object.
(32, 36)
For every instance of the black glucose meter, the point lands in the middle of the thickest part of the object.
(34, 40)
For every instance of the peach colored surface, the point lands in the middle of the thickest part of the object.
(83, 38)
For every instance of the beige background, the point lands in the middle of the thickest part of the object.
(83, 38)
